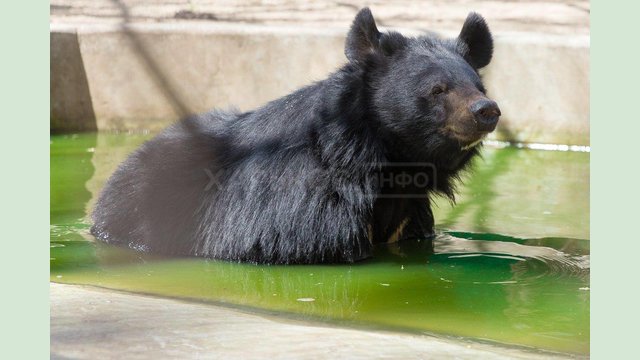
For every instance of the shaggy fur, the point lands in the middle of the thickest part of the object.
(306, 178)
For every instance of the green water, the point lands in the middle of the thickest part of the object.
(511, 262)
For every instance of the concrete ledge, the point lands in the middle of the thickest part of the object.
(89, 323)
(147, 75)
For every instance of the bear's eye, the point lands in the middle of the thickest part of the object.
(437, 90)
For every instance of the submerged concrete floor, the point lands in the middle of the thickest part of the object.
(91, 323)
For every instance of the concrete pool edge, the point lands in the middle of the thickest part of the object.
(146, 75)
(89, 322)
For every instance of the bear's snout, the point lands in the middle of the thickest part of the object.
(486, 113)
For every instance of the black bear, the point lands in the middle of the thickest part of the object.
(313, 177)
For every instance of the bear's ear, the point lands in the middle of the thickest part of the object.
(363, 38)
(475, 42)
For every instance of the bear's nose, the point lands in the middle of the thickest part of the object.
(486, 113)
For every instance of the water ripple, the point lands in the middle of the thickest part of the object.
(528, 263)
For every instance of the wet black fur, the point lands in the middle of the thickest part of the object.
(298, 180)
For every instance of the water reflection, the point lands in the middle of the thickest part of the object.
(523, 193)
(70, 168)
(481, 185)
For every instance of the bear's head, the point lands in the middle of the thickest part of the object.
(425, 91)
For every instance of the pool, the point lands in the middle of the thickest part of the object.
(511, 262)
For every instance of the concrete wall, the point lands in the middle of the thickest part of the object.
(71, 106)
(145, 76)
